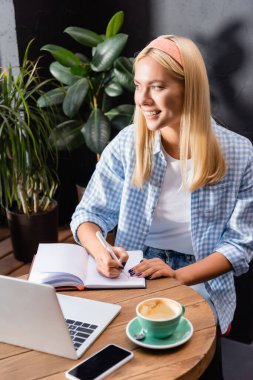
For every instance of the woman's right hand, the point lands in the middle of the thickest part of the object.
(109, 267)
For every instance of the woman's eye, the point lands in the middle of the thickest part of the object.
(157, 88)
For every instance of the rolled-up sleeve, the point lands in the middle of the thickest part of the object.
(237, 240)
(101, 201)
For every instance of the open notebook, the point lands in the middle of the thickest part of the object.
(69, 265)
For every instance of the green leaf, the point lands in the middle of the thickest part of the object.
(124, 64)
(124, 110)
(62, 73)
(75, 97)
(123, 72)
(114, 89)
(83, 36)
(62, 55)
(121, 116)
(93, 51)
(82, 58)
(80, 71)
(115, 24)
(97, 131)
(107, 52)
(68, 135)
(120, 122)
(52, 97)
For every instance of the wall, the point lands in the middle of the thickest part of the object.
(8, 37)
(223, 30)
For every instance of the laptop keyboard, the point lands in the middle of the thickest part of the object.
(79, 331)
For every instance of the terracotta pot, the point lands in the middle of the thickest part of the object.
(27, 231)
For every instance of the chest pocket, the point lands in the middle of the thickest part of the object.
(213, 201)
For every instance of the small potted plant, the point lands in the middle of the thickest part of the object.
(28, 178)
(85, 87)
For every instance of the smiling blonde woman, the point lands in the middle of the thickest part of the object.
(175, 183)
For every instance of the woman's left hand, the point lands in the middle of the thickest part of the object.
(151, 269)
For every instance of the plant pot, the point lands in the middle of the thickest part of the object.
(27, 231)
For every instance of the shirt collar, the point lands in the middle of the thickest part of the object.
(157, 143)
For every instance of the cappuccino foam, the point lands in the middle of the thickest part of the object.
(156, 309)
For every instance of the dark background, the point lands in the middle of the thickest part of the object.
(221, 28)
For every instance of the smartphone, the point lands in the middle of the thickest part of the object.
(101, 364)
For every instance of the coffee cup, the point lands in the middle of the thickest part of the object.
(159, 317)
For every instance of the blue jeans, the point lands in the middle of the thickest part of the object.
(178, 260)
(174, 259)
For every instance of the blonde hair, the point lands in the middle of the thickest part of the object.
(196, 134)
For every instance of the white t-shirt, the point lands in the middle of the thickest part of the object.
(171, 225)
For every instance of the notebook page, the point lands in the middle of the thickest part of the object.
(96, 280)
(58, 259)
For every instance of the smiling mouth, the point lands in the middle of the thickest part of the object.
(151, 113)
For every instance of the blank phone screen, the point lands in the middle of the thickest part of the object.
(99, 363)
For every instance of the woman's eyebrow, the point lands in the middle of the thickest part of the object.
(150, 82)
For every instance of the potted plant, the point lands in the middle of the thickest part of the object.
(28, 179)
(85, 87)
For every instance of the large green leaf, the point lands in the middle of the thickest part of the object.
(62, 55)
(123, 109)
(107, 52)
(124, 64)
(115, 24)
(121, 116)
(82, 58)
(97, 131)
(93, 51)
(75, 97)
(62, 73)
(68, 135)
(114, 89)
(84, 36)
(123, 72)
(52, 97)
(80, 71)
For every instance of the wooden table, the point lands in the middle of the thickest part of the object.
(184, 362)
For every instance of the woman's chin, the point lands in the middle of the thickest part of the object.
(152, 126)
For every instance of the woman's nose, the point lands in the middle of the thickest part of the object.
(143, 97)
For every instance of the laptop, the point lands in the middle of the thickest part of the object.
(34, 316)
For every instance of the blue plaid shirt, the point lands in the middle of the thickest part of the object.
(221, 214)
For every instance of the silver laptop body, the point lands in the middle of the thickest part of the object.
(33, 316)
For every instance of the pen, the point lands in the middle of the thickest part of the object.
(108, 248)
